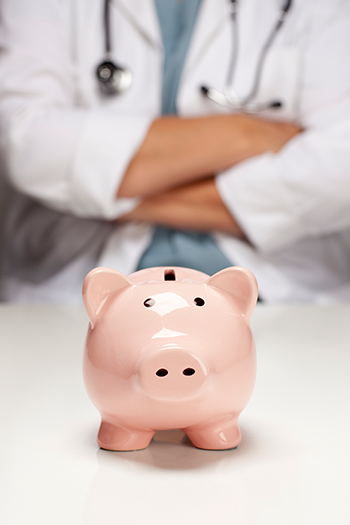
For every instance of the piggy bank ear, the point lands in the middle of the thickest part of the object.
(241, 285)
(98, 285)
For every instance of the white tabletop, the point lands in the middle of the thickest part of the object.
(292, 466)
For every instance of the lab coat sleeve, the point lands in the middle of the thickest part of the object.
(304, 190)
(68, 156)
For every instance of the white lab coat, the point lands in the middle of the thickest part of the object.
(68, 147)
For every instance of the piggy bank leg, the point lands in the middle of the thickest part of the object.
(112, 437)
(218, 434)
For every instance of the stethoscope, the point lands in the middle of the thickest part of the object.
(114, 79)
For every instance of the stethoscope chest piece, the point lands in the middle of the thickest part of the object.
(113, 79)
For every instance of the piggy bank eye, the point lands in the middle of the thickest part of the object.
(148, 303)
(199, 301)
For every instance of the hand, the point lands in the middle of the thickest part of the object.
(197, 206)
(272, 136)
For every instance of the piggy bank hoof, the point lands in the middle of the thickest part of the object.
(215, 438)
(112, 437)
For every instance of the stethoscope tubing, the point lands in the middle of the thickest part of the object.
(107, 27)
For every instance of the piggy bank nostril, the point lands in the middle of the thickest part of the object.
(188, 372)
(162, 372)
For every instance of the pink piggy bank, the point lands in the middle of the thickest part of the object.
(169, 348)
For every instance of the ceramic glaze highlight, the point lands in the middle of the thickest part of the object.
(169, 348)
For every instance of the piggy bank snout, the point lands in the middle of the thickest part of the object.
(173, 374)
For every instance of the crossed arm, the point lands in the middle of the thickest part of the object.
(174, 169)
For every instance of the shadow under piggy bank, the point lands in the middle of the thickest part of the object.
(172, 449)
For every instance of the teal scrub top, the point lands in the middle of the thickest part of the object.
(171, 247)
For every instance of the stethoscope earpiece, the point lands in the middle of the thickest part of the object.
(276, 104)
(113, 79)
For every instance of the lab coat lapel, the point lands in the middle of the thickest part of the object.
(213, 14)
(142, 14)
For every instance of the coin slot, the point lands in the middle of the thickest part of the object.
(169, 275)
